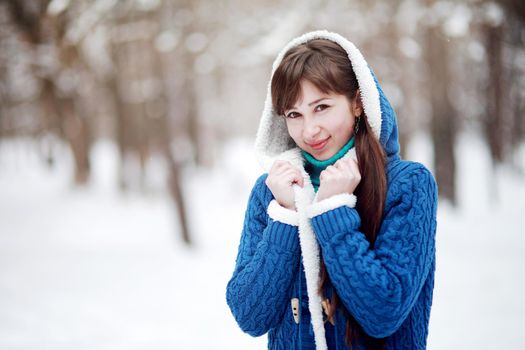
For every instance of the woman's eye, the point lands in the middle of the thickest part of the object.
(320, 108)
(292, 115)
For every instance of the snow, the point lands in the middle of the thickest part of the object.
(167, 41)
(457, 23)
(56, 7)
(409, 47)
(90, 268)
(494, 14)
(196, 42)
(479, 283)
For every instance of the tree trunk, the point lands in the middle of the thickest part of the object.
(494, 118)
(443, 122)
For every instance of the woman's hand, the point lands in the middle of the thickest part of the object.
(342, 177)
(280, 179)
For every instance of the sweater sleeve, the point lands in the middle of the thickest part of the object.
(268, 255)
(379, 286)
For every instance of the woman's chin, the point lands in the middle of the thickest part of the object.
(322, 155)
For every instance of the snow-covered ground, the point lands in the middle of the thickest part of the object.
(91, 268)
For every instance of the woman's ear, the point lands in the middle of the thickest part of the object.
(357, 109)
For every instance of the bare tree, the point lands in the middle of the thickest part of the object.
(58, 94)
(141, 100)
(444, 119)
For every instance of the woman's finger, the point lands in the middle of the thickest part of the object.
(298, 177)
(292, 176)
(274, 168)
(322, 175)
(279, 166)
(300, 180)
(354, 168)
(331, 169)
(327, 174)
(343, 165)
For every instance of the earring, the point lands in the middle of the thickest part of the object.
(356, 124)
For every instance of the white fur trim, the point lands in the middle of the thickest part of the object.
(311, 262)
(279, 213)
(336, 201)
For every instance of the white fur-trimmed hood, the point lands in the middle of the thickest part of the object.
(272, 136)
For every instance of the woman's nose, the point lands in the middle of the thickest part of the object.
(310, 129)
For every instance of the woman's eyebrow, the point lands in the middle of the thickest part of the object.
(318, 100)
(309, 105)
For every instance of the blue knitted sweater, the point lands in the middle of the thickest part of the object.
(387, 289)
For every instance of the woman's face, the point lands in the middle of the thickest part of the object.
(321, 124)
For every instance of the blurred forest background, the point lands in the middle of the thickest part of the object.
(164, 97)
(178, 78)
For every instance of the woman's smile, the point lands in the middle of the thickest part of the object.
(318, 146)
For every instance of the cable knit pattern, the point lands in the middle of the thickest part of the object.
(381, 286)
(259, 291)
(387, 289)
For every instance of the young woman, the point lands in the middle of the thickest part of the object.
(338, 248)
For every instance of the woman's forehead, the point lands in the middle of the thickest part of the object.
(308, 94)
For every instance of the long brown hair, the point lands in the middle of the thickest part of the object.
(327, 66)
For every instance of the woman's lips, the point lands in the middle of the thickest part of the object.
(319, 145)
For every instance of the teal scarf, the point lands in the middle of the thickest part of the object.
(314, 167)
